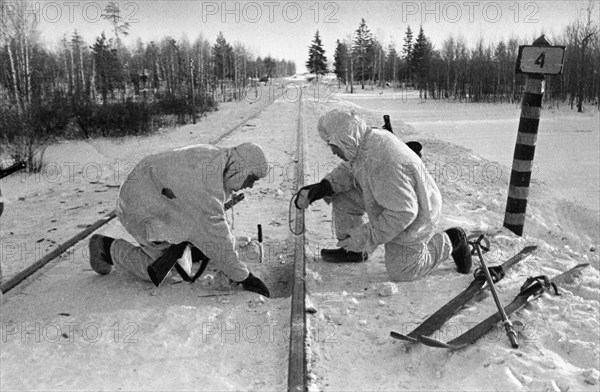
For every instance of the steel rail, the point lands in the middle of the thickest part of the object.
(297, 373)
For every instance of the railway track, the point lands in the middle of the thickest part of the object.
(297, 361)
(297, 354)
(27, 272)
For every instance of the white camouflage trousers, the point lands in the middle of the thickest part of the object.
(136, 259)
(403, 262)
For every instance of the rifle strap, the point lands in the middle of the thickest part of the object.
(196, 255)
(184, 275)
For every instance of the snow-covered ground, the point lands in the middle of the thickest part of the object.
(567, 155)
(70, 329)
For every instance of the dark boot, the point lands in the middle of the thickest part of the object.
(100, 259)
(342, 255)
(461, 252)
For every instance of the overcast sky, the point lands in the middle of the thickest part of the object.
(284, 29)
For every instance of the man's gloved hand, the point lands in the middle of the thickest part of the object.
(254, 284)
(313, 192)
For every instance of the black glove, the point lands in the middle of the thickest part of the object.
(311, 193)
(416, 147)
(254, 284)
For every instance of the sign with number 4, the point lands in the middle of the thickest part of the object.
(547, 60)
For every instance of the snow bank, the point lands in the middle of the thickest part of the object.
(215, 337)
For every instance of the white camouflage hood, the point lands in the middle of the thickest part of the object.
(344, 129)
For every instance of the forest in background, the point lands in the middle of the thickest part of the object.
(483, 72)
(82, 90)
(78, 89)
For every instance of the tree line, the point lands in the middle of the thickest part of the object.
(483, 72)
(106, 88)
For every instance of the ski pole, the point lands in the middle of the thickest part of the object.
(512, 336)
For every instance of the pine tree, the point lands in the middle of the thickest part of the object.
(340, 63)
(221, 52)
(362, 48)
(270, 65)
(407, 52)
(108, 70)
(317, 62)
(421, 58)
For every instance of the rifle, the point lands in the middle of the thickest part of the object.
(415, 146)
(160, 268)
(11, 169)
(387, 125)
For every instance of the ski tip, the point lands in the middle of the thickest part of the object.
(433, 342)
(427, 341)
(530, 249)
(573, 271)
(438, 344)
(399, 336)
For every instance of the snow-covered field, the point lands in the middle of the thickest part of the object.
(567, 154)
(70, 329)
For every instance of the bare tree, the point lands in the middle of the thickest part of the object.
(588, 31)
(448, 54)
(18, 34)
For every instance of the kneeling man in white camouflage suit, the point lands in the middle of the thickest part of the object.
(382, 177)
(176, 197)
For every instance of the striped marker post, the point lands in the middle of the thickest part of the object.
(520, 176)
